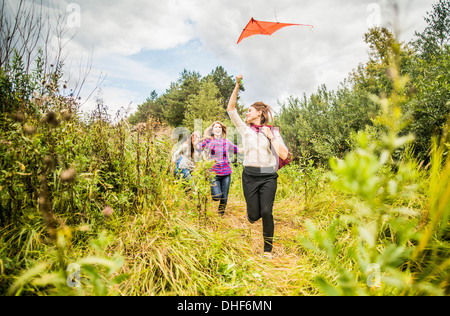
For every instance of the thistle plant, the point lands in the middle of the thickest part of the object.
(94, 274)
(201, 187)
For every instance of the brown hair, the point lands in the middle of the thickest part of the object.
(191, 145)
(224, 129)
(267, 112)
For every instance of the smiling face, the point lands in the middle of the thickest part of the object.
(253, 116)
(217, 130)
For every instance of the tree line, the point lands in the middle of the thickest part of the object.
(190, 97)
(320, 126)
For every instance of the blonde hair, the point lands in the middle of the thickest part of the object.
(267, 112)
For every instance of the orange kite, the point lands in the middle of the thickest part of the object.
(265, 28)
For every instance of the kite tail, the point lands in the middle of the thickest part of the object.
(310, 27)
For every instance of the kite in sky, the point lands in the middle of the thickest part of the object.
(265, 28)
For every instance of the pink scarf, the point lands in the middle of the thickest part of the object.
(281, 162)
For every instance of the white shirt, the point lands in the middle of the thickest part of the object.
(257, 147)
(186, 162)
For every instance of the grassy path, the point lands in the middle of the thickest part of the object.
(176, 253)
(287, 273)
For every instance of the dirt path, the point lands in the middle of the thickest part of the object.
(285, 271)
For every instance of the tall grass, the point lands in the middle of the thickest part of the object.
(326, 237)
(395, 240)
(89, 207)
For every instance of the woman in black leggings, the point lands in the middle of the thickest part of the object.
(263, 147)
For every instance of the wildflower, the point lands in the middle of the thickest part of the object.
(108, 211)
(50, 118)
(392, 73)
(19, 116)
(29, 130)
(66, 115)
(48, 160)
(68, 175)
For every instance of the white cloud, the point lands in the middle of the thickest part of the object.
(126, 81)
(294, 60)
(127, 27)
(291, 62)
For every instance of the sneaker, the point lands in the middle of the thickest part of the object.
(248, 218)
(267, 255)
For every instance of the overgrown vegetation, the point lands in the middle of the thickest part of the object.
(88, 207)
(320, 126)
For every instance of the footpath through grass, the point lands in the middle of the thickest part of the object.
(176, 253)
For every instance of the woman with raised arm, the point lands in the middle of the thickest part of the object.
(264, 149)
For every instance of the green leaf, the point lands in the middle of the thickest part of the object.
(326, 288)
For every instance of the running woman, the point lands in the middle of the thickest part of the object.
(217, 148)
(189, 155)
(264, 148)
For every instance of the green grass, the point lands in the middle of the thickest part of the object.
(163, 239)
(372, 225)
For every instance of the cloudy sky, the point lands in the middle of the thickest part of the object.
(142, 46)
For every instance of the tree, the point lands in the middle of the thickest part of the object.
(206, 105)
(174, 101)
(34, 33)
(374, 77)
(436, 35)
(320, 126)
(430, 105)
(172, 106)
(224, 83)
(151, 107)
(430, 79)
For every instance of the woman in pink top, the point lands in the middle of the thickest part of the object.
(217, 148)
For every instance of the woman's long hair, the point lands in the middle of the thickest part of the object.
(191, 145)
(267, 112)
(211, 130)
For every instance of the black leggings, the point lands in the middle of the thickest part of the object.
(259, 192)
